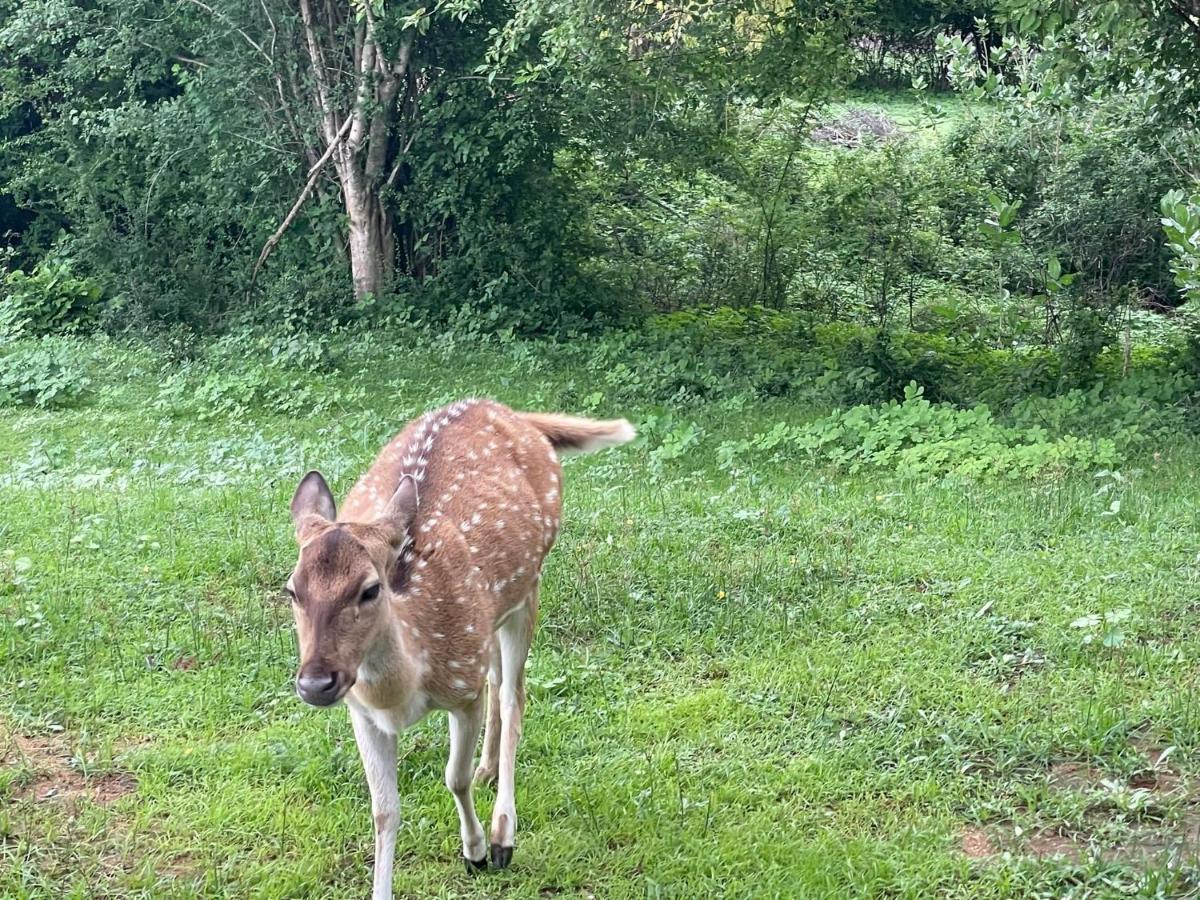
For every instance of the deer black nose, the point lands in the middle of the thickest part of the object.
(319, 686)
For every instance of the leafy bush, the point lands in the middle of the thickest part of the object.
(1148, 406)
(750, 349)
(668, 242)
(50, 300)
(1087, 188)
(773, 352)
(1181, 224)
(916, 437)
(721, 352)
(677, 441)
(44, 373)
(887, 221)
(278, 372)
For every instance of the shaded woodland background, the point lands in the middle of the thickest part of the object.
(928, 192)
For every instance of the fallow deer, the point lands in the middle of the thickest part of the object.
(424, 587)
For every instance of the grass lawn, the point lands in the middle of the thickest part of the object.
(778, 681)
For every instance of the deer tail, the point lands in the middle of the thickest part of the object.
(569, 434)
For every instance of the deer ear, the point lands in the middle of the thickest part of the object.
(312, 498)
(400, 511)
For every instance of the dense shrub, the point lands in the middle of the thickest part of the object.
(888, 222)
(48, 372)
(1078, 430)
(274, 371)
(1181, 225)
(49, 300)
(1088, 190)
(843, 364)
(668, 242)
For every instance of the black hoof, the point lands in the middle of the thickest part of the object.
(473, 867)
(501, 856)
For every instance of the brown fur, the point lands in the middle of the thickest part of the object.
(488, 512)
(425, 588)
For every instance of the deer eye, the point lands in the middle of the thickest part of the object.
(369, 594)
(288, 590)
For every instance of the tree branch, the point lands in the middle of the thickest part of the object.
(271, 22)
(400, 66)
(178, 57)
(224, 18)
(1189, 12)
(391, 179)
(411, 103)
(364, 52)
(318, 66)
(313, 175)
(385, 115)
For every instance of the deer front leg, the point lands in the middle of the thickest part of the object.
(489, 758)
(464, 733)
(516, 634)
(378, 752)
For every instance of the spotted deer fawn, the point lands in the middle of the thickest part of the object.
(424, 586)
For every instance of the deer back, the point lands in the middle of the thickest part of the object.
(488, 512)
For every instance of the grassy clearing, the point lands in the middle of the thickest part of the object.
(925, 118)
(776, 682)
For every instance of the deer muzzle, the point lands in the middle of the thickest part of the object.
(318, 685)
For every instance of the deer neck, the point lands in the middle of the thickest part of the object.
(390, 672)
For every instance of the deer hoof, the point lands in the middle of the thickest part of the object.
(473, 867)
(501, 856)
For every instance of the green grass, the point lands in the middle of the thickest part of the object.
(781, 681)
(925, 117)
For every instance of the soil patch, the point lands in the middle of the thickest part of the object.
(976, 844)
(1108, 834)
(55, 779)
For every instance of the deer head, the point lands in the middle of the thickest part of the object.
(342, 584)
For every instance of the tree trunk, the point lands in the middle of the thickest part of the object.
(362, 161)
(366, 256)
(371, 242)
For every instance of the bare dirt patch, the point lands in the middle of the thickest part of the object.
(1158, 775)
(54, 777)
(1141, 843)
(976, 844)
(1074, 776)
(1051, 844)
(1165, 821)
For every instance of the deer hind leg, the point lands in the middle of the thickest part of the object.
(464, 734)
(378, 752)
(515, 634)
(489, 758)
